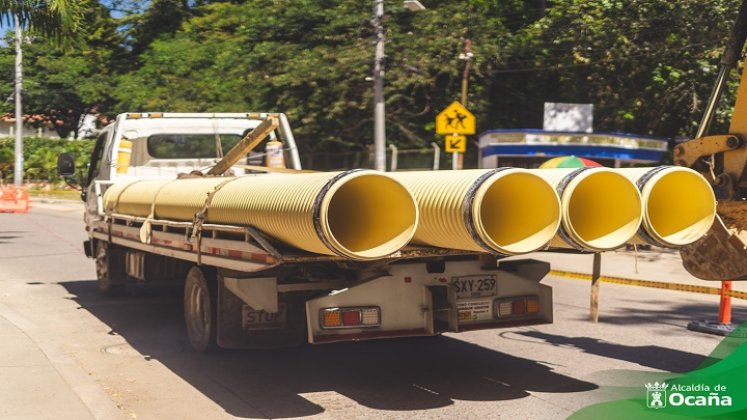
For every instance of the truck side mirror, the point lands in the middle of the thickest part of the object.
(66, 165)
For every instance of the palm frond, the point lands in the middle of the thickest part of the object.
(55, 18)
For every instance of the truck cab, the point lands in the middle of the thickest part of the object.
(153, 145)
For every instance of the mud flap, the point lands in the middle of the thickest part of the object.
(233, 335)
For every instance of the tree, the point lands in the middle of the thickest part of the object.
(54, 18)
(647, 66)
(64, 84)
(311, 60)
(162, 17)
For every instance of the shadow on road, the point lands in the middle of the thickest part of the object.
(679, 314)
(656, 357)
(403, 374)
(7, 236)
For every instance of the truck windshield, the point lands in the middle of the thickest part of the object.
(189, 146)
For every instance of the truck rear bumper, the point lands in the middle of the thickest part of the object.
(413, 300)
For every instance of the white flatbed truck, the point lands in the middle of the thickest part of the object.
(242, 290)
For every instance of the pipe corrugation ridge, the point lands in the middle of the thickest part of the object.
(349, 214)
(679, 204)
(467, 209)
(601, 209)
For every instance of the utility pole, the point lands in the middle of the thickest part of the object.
(378, 81)
(466, 56)
(18, 169)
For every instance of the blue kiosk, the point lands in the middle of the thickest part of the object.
(529, 148)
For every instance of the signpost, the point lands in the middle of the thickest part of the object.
(455, 121)
(455, 143)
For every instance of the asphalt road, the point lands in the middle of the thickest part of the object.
(135, 350)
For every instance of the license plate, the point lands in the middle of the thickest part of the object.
(261, 320)
(474, 286)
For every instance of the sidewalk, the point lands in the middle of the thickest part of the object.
(658, 264)
(57, 204)
(40, 381)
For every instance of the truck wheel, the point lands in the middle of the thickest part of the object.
(110, 275)
(200, 309)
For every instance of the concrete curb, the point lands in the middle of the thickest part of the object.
(85, 387)
(49, 200)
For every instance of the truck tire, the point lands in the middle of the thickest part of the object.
(110, 269)
(200, 309)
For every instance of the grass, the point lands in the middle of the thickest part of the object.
(58, 194)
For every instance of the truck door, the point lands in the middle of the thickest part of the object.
(94, 173)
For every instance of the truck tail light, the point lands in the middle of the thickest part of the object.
(515, 306)
(351, 317)
(504, 308)
(331, 319)
(371, 316)
(533, 305)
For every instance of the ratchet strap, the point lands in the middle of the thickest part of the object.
(146, 230)
(109, 210)
(200, 216)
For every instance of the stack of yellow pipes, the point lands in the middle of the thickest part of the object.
(367, 215)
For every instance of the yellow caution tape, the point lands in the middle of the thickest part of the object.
(651, 283)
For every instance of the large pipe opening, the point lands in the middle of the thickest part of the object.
(602, 210)
(518, 212)
(679, 207)
(368, 216)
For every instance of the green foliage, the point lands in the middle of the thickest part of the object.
(162, 17)
(40, 156)
(646, 65)
(311, 60)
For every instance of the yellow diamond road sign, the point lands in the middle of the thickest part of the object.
(455, 119)
(456, 144)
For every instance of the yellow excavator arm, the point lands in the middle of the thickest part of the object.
(722, 253)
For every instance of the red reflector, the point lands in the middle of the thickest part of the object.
(351, 318)
(519, 307)
(408, 279)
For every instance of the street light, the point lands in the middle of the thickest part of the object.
(378, 80)
(414, 5)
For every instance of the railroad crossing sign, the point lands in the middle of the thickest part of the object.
(455, 119)
(456, 144)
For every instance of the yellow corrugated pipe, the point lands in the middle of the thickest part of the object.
(358, 214)
(679, 205)
(601, 209)
(507, 210)
(124, 156)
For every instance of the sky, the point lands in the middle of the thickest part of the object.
(119, 8)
